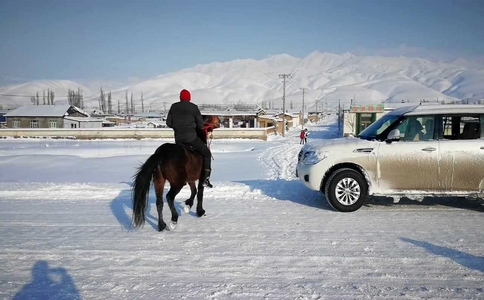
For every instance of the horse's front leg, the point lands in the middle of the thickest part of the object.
(170, 198)
(189, 201)
(159, 183)
(200, 210)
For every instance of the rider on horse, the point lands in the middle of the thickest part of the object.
(186, 120)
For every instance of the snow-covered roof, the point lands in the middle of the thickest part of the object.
(149, 115)
(160, 123)
(440, 109)
(228, 113)
(43, 111)
(85, 119)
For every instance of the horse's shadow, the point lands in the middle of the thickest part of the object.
(122, 208)
(464, 259)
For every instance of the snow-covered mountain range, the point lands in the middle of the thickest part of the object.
(326, 77)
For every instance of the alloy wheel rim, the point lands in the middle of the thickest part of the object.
(347, 191)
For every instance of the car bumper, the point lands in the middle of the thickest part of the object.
(306, 173)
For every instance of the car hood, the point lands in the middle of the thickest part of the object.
(346, 143)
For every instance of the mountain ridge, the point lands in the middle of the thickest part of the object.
(326, 77)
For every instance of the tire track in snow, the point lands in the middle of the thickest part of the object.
(281, 161)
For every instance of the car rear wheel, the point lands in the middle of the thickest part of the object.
(346, 190)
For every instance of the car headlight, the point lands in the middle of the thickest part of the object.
(312, 157)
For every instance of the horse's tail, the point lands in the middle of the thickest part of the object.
(141, 188)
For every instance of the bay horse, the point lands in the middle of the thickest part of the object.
(178, 164)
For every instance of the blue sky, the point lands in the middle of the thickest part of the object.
(118, 39)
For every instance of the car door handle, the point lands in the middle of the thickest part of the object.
(429, 149)
(482, 148)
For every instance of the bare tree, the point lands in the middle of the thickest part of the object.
(350, 121)
(132, 104)
(142, 103)
(51, 97)
(102, 101)
(75, 98)
(127, 103)
(110, 104)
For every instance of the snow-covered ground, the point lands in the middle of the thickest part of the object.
(65, 213)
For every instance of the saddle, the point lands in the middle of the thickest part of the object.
(190, 148)
(202, 134)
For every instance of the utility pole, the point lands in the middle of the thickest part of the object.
(284, 76)
(339, 114)
(302, 122)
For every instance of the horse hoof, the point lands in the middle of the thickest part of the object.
(186, 209)
(172, 225)
(201, 214)
(161, 227)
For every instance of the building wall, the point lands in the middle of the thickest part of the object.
(79, 124)
(43, 121)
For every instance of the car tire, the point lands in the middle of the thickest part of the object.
(346, 190)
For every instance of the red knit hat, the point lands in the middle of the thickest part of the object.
(185, 95)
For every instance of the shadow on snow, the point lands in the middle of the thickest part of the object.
(48, 283)
(122, 208)
(464, 259)
(456, 202)
(288, 190)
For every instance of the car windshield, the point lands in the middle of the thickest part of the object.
(372, 131)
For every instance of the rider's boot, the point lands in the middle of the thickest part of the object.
(206, 178)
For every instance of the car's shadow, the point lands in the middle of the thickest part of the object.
(294, 191)
(288, 190)
(455, 202)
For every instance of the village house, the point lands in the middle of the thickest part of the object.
(232, 118)
(358, 117)
(3, 120)
(51, 116)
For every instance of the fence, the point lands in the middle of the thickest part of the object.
(129, 133)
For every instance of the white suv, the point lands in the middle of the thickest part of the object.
(413, 151)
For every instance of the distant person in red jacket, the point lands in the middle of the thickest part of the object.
(186, 120)
(304, 136)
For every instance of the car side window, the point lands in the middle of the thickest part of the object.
(481, 119)
(460, 127)
(417, 128)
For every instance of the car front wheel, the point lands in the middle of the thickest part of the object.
(346, 190)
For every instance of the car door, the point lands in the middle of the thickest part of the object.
(411, 163)
(461, 153)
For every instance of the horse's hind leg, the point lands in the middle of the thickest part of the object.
(170, 198)
(200, 210)
(159, 182)
(189, 201)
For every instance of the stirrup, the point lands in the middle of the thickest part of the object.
(207, 183)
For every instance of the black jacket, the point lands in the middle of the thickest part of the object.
(185, 119)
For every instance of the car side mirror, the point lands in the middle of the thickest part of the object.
(393, 135)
